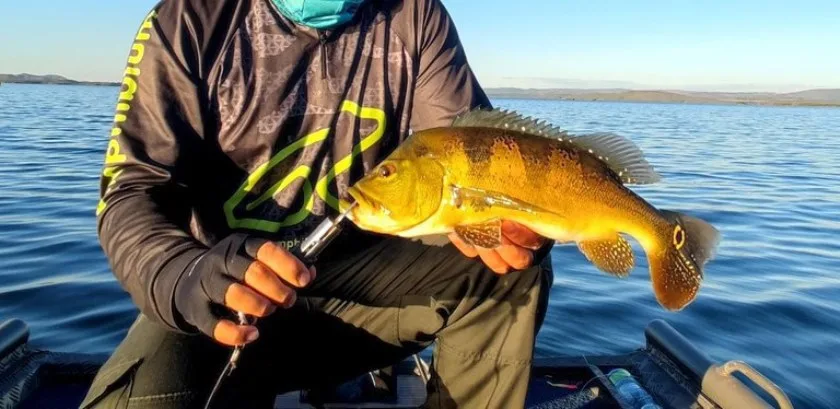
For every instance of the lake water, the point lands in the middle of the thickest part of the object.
(767, 177)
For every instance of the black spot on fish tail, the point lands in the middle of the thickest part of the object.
(677, 271)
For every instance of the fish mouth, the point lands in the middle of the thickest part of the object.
(358, 198)
(362, 204)
(369, 214)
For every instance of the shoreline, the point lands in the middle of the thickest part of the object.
(93, 84)
(662, 97)
(579, 95)
(806, 104)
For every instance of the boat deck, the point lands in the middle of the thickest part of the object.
(668, 367)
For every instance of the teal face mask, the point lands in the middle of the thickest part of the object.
(319, 14)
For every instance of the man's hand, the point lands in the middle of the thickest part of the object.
(515, 253)
(253, 277)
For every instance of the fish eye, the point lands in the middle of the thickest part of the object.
(386, 170)
(679, 237)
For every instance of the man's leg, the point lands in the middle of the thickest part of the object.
(364, 311)
(154, 367)
(407, 295)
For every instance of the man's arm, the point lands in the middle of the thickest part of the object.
(144, 210)
(447, 87)
(155, 156)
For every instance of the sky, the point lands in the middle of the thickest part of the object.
(716, 45)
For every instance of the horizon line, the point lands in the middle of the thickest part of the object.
(593, 85)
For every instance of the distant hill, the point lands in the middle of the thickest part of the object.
(46, 79)
(828, 95)
(813, 97)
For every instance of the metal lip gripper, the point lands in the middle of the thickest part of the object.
(310, 248)
(316, 241)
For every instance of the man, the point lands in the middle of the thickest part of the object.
(239, 125)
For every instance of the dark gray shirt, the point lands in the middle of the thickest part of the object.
(233, 118)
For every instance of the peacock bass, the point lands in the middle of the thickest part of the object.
(494, 165)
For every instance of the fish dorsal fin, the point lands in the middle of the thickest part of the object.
(503, 119)
(620, 154)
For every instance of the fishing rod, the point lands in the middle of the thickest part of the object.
(310, 248)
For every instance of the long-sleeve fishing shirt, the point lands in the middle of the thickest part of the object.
(233, 118)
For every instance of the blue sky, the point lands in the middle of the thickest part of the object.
(718, 45)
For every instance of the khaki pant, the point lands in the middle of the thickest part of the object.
(364, 311)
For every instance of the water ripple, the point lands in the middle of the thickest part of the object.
(767, 177)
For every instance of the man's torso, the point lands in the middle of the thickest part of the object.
(300, 117)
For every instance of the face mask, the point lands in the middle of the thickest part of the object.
(319, 14)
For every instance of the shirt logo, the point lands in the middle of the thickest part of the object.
(321, 186)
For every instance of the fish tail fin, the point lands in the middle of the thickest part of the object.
(676, 267)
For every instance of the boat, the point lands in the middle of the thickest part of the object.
(668, 367)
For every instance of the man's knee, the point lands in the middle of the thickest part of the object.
(526, 292)
(540, 279)
(546, 279)
(533, 281)
(150, 364)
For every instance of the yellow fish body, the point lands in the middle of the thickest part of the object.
(493, 165)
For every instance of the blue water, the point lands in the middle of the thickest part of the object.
(767, 177)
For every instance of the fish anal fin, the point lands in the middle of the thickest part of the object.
(486, 235)
(702, 238)
(612, 255)
(621, 155)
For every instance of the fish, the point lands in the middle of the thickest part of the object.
(492, 165)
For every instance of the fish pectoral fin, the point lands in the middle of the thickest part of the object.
(612, 255)
(480, 199)
(486, 235)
